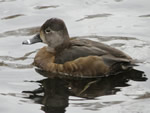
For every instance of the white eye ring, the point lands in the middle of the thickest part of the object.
(48, 30)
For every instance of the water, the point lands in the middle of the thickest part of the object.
(123, 24)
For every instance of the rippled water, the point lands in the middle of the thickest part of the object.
(123, 24)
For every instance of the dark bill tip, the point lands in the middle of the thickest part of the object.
(33, 40)
(26, 42)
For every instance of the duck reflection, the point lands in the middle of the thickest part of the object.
(57, 90)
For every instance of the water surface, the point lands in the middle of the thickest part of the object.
(123, 24)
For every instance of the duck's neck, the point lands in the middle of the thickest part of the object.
(51, 50)
(59, 48)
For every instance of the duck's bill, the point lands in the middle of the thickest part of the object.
(33, 40)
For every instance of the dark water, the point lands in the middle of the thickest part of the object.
(123, 24)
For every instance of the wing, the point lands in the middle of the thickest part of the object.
(89, 65)
(84, 47)
(110, 50)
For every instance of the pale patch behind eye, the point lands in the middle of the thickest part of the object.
(54, 39)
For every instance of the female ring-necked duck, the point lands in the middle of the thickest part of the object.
(76, 57)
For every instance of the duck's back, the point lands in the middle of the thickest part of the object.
(84, 47)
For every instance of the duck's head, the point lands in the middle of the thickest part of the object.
(53, 32)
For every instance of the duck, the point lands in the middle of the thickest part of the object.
(76, 57)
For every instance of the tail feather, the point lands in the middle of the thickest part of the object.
(121, 67)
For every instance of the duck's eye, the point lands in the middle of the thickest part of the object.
(47, 30)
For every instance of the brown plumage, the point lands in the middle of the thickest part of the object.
(76, 57)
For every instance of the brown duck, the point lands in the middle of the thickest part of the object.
(76, 57)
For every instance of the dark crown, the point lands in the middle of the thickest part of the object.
(54, 23)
